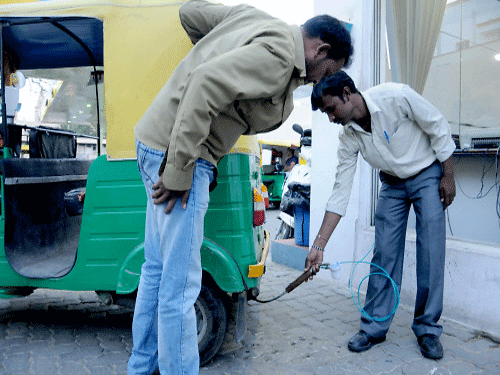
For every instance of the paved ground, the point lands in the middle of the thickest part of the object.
(305, 332)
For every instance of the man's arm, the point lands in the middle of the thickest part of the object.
(315, 257)
(433, 123)
(198, 17)
(348, 155)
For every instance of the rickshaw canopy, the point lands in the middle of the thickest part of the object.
(138, 42)
(60, 37)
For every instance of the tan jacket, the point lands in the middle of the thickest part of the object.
(237, 79)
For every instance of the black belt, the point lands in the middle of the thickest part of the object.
(393, 180)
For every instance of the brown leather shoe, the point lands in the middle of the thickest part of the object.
(361, 342)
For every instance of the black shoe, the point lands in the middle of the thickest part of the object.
(430, 346)
(361, 342)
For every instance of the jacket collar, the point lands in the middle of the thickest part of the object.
(300, 59)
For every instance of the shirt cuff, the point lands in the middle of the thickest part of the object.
(332, 207)
(446, 152)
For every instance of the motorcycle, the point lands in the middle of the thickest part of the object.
(296, 190)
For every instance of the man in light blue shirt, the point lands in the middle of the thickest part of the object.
(399, 132)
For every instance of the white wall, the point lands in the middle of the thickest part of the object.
(344, 244)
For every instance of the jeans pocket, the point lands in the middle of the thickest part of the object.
(148, 162)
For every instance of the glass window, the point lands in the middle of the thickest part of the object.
(464, 77)
(463, 83)
(64, 99)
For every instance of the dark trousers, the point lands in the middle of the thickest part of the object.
(395, 199)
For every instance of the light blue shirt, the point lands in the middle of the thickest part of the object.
(408, 134)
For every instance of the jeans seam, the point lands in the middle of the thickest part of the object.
(191, 201)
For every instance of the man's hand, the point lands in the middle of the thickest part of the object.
(314, 260)
(447, 185)
(161, 195)
(447, 190)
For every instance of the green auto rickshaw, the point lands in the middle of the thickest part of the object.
(273, 158)
(72, 201)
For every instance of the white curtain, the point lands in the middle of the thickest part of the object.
(412, 30)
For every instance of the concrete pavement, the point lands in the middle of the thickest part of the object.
(304, 332)
(56, 332)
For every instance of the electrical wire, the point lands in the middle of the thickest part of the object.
(481, 194)
(496, 184)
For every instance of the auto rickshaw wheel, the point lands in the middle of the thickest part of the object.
(211, 320)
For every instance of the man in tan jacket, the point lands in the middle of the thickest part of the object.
(237, 79)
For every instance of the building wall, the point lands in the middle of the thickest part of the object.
(344, 244)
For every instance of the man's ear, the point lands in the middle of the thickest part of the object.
(346, 93)
(323, 50)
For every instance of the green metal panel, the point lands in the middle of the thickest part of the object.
(112, 223)
(7, 276)
(110, 250)
(130, 271)
(112, 227)
(229, 219)
(222, 267)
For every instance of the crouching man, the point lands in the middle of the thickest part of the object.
(400, 133)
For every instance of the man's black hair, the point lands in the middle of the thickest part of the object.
(332, 31)
(333, 85)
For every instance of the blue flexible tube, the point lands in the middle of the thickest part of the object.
(357, 301)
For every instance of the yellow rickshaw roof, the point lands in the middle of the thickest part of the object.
(246, 145)
(279, 142)
(142, 41)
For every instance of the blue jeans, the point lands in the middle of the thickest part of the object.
(393, 206)
(164, 326)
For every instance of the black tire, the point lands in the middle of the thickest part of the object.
(211, 319)
(211, 322)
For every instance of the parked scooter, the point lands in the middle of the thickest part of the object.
(297, 186)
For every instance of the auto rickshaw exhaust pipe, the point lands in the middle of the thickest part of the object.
(106, 298)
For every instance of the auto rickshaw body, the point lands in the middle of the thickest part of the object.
(74, 222)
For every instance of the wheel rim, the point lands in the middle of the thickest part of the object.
(201, 320)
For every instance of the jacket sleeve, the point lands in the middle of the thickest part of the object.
(198, 17)
(257, 70)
